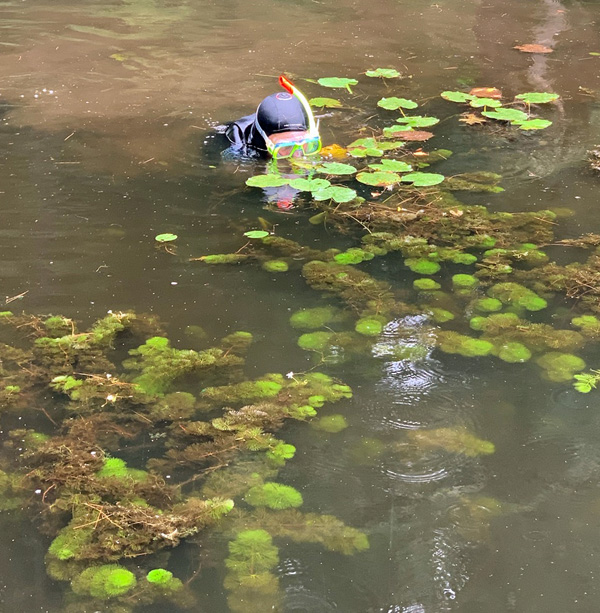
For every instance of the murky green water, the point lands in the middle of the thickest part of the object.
(107, 113)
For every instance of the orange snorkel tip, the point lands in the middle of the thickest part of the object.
(286, 84)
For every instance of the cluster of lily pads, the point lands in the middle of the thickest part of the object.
(498, 112)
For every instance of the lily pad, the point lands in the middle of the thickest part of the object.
(329, 103)
(392, 166)
(337, 82)
(380, 178)
(362, 152)
(167, 237)
(423, 179)
(537, 97)
(269, 180)
(384, 73)
(506, 115)
(363, 142)
(418, 121)
(456, 96)
(533, 124)
(336, 193)
(309, 185)
(336, 168)
(393, 103)
(479, 102)
(256, 234)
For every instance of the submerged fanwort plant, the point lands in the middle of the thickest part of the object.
(103, 509)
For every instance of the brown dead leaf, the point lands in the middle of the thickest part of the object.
(414, 135)
(471, 119)
(486, 92)
(456, 212)
(334, 151)
(533, 48)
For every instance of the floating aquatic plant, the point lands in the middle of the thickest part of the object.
(586, 382)
(330, 103)
(422, 266)
(514, 294)
(384, 73)
(426, 284)
(274, 496)
(311, 319)
(394, 103)
(104, 582)
(337, 82)
(370, 326)
(559, 366)
(165, 238)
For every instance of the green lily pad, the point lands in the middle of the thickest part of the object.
(336, 193)
(506, 115)
(256, 234)
(362, 152)
(391, 145)
(329, 103)
(165, 238)
(537, 97)
(418, 121)
(363, 142)
(423, 179)
(456, 96)
(384, 73)
(309, 185)
(336, 168)
(533, 124)
(392, 131)
(393, 103)
(380, 178)
(392, 166)
(337, 82)
(269, 180)
(477, 103)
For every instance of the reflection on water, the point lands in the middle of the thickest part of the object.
(106, 118)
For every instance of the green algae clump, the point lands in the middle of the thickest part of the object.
(224, 258)
(330, 423)
(426, 285)
(311, 319)
(514, 353)
(422, 266)
(514, 294)
(560, 367)
(104, 582)
(463, 281)
(274, 496)
(441, 316)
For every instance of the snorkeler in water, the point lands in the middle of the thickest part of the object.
(282, 127)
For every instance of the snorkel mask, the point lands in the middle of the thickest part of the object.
(309, 144)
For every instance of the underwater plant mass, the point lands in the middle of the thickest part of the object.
(214, 458)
